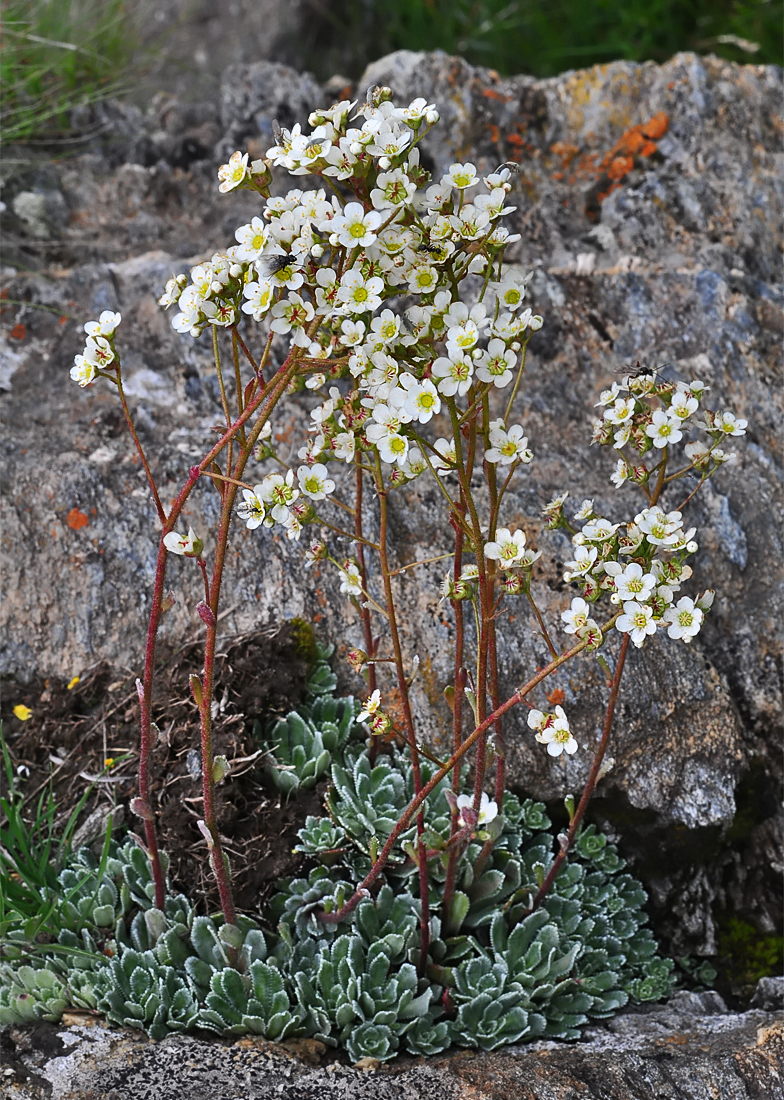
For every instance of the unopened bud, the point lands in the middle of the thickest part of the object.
(357, 658)
(705, 601)
(204, 611)
(194, 473)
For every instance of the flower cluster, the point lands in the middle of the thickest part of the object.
(98, 351)
(553, 730)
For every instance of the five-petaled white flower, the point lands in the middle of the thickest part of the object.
(354, 226)
(460, 176)
(663, 430)
(577, 616)
(685, 619)
(313, 481)
(636, 621)
(507, 446)
(252, 509)
(630, 583)
(105, 325)
(507, 547)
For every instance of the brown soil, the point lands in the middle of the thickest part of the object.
(74, 731)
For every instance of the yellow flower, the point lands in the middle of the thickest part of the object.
(22, 712)
(72, 683)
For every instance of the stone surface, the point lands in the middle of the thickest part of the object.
(691, 1047)
(675, 264)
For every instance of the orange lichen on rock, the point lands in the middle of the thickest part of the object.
(76, 519)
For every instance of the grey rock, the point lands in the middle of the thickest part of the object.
(691, 1046)
(769, 994)
(677, 264)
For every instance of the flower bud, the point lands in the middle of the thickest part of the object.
(705, 601)
(204, 611)
(205, 832)
(317, 251)
(512, 584)
(384, 163)
(357, 659)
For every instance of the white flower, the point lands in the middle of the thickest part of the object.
(584, 558)
(259, 298)
(685, 619)
(343, 446)
(460, 176)
(511, 291)
(279, 492)
(350, 579)
(729, 424)
(393, 448)
(576, 617)
(658, 528)
(620, 473)
(585, 511)
(507, 446)
(599, 530)
(682, 405)
(637, 621)
(392, 189)
(422, 400)
(553, 731)
(313, 481)
(357, 294)
(454, 375)
(414, 464)
(105, 325)
(422, 277)
(189, 545)
(98, 351)
(251, 239)
(232, 174)
(622, 410)
(488, 810)
(252, 509)
(172, 291)
(83, 371)
(631, 583)
(507, 547)
(496, 364)
(291, 315)
(354, 226)
(445, 457)
(662, 430)
(371, 706)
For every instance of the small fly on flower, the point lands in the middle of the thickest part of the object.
(643, 371)
(271, 265)
(281, 135)
(512, 165)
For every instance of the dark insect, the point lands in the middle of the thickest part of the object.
(512, 165)
(433, 249)
(314, 142)
(646, 371)
(281, 136)
(271, 265)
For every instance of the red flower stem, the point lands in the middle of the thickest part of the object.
(415, 803)
(457, 727)
(284, 376)
(367, 626)
(408, 717)
(593, 778)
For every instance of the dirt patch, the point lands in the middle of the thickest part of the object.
(85, 733)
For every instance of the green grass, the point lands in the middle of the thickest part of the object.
(31, 856)
(58, 55)
(541, 37)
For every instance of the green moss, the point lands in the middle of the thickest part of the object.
(747, 953)
(304, 638)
